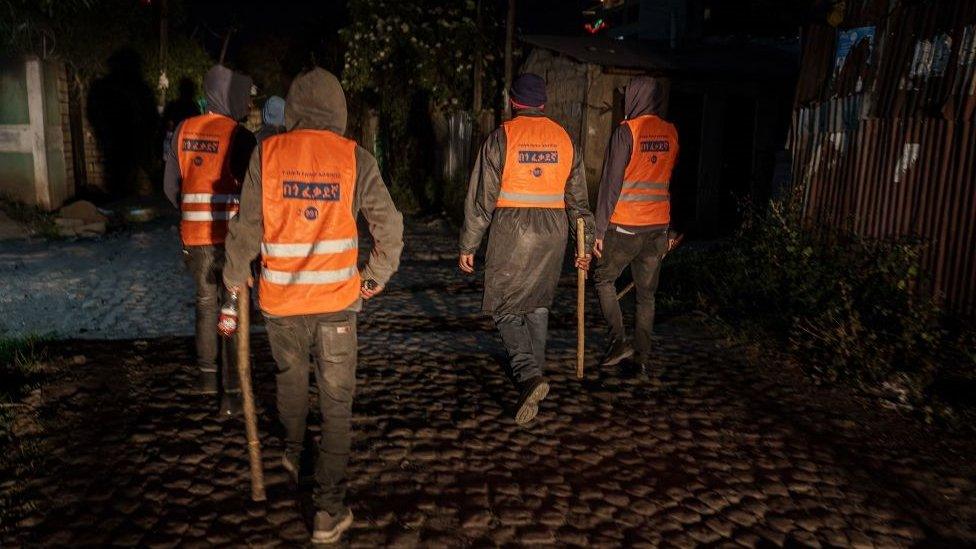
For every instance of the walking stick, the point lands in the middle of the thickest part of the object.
(580, 297)
(250, 416)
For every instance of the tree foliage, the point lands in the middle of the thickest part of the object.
(428, 46)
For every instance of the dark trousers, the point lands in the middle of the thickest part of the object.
(206, 265)
(643, 252)
(326, 344)
(524, 336)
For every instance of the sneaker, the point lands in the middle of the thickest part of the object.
(231, 404)
(533, 391)
(329, 528)
(617, 352)
(206, 382)
(291, 462)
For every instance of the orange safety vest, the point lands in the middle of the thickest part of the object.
(538, 159)
(310, 247)
(644, 198)
(210, 194)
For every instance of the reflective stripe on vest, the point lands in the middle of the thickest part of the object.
(310, 247)
(209, 216)
(538, 160)
(305, 250)
(207, 198)
(308, 277)
(210, 193)
(644, 197)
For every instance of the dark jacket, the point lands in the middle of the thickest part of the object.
(644, 95)
(228, 94)
(525, 245)
(316, 102)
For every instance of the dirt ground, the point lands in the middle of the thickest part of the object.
(716, 448)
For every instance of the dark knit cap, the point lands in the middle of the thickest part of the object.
(529, 90)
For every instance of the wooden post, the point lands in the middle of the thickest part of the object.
(580, 298)
(479, 54)
(247, 394)
(509, 45)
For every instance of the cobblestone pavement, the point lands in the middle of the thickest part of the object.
(711, 451)
(125, 285)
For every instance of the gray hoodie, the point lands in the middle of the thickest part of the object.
(644, 95)
(316, 102)
(228, 94)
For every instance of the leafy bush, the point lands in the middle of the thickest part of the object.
(848, 308)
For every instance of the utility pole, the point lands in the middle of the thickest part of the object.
(509, 43)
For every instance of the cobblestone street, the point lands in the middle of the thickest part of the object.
(715, 449)
(125, 285)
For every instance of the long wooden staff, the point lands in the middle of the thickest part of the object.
(250, 416)
(580, 298)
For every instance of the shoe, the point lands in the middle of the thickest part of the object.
(206, 382)
(328, 528)
(532, 393)
(616, 353)
(231, 404)
(291, 462)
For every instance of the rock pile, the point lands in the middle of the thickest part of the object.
(81, 218)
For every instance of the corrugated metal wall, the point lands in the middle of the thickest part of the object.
(886, 144)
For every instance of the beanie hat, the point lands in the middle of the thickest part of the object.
(529, 90)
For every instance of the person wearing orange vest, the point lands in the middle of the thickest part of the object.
(527, 190)
(205, 166)
(633, 215)
(303, 192)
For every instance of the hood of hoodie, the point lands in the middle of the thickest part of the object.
(316, 102)
(228, 93)
(644, 95)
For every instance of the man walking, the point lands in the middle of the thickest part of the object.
(529, 187)
(303, 192)
(205, 166)
(633, 214)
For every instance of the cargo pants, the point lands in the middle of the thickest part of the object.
(327, 345)
(206, 265)
(643, 252)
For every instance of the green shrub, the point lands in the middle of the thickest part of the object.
(847, 308)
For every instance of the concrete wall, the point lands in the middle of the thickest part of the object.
(33, 118)
(565, 86)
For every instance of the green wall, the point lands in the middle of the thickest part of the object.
(17, 176)
(13, 92)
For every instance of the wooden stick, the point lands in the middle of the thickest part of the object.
(250, 416)
(626, 289)
(671, 247)
(580, 298)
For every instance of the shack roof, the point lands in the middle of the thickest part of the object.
(728, 59)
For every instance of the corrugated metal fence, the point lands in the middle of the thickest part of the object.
(884, 137)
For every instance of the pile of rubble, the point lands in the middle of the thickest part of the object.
(81, 218)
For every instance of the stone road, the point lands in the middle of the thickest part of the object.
(714, 450)
(125, 285)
